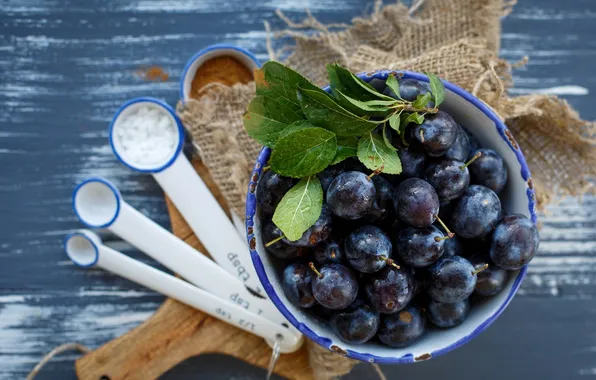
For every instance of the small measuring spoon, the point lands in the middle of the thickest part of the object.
(186, 189)
(85, 249)
(98, 204)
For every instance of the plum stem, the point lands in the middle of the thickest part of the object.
(449, 233)
(476, 156)
(407, 107)
(485, 266)
(266, 168)
(312, 266)
(422, 136)
(377, 171)
(389, 261)
(274, 241)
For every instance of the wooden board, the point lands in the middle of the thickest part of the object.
(176, 332)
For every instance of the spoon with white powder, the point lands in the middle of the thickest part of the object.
(147, 136)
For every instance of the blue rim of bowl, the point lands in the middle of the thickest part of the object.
(251, 207)
(170, 110)
(206, 50)
(70, 236)
(108, 184)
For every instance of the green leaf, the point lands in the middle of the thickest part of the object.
(276, 81)
(414, 117)
(378, 108)
(299, 208)
(346, 147)
(266, 118)
(375, 155)
(393, 84)
(422, 100)
(324, 112)
(304, 152)
(295, 126)
(387, 140)
(341, 79)
(394, 121)
(437, 88)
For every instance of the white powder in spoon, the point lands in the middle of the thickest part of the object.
(146, 135)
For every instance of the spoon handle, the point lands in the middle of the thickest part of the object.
(208, 220)
(124, 266)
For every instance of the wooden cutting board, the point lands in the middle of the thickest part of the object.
(177, 332)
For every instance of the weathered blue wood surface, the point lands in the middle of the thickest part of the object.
(66, 65)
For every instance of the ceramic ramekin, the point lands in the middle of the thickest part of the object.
(220, 50)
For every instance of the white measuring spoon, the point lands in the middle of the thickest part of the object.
(85, 249)
(236, 220)
(188, 192)
(98, 204)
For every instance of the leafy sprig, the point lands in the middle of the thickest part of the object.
(309, 129)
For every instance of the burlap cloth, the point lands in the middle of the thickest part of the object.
(455, 39)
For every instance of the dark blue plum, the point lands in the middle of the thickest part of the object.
(461, 147)
(334, 286)
(489, 170)
(390, 289)
(382, 206)
(317, 233)
(490, 279)
(413, 159)
(476, 213)
(445, 315)
(514, 242)
(453, 247)
(329, 252)
(279, 249)
(419, 247)
(474, 144)
(368, 249)
(402, 329)
(356, 324)
(416, 202)
(451, 279)
(409, 89)
(271, 189)
(297, 285)
(450, 178)
(328, 175)
(436, 134)
(351, 195)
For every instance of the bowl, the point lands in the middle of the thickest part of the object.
(243, 56)
(518, 197)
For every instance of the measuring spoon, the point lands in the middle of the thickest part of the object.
(85, 249)
(98, 204)
(188, 192)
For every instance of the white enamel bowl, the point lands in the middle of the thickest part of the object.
(518, 197)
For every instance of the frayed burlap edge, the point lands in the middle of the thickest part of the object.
(558, 145)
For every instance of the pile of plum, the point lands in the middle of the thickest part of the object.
(393, 255)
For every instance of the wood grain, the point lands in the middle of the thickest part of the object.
(65, 68)
(176, 332)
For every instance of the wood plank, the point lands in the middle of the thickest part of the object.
(66, 66)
